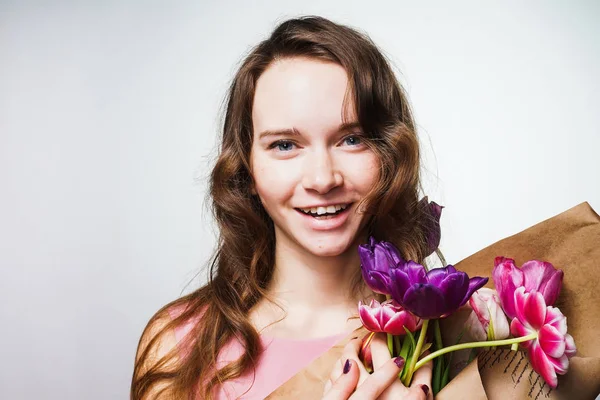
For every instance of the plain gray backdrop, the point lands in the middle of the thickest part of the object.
(108, 120)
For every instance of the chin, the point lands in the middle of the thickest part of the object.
(328, 247)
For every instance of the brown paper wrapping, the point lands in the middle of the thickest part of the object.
(571, 242)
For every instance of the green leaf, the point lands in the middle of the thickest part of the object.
(425, 347)
(411, 337)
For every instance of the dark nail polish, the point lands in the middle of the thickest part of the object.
(347, 366)
(425, 389)
(399, 362)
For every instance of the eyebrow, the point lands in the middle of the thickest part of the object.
(294, 132)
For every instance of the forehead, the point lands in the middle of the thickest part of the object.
(299, 92)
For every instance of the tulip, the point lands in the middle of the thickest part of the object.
(433, 294)
(549, 353)
(487, 321)
(388, 317)
(534, 275)
(431, 222)
(377, 258)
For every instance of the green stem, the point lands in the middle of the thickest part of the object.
(472, 345)
(390, 341)
(390, 338)
(417, 353)
(437, 334)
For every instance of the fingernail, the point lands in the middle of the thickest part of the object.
(425, 389)
(399, 362)
(347, 366)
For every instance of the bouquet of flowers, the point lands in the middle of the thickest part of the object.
(506, 342)
(418, 297)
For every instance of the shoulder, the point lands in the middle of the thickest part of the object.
(157, 341)
(155, 351)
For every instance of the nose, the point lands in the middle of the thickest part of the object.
(321, 173)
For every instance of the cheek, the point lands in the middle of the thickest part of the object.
(364, 173)
(273, 183)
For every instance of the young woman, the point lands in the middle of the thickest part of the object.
(318, 152)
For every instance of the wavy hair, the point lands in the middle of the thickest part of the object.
(243, 263)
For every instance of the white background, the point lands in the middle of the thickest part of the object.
(108, 119)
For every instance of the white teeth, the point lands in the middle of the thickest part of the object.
(325, 210)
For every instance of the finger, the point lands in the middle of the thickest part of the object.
(379, 350)
(343, 387)
(350, 351)
(422, 379)
(379, 380)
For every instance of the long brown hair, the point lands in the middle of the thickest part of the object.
(242, 266)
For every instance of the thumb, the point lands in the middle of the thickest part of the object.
(344, 386)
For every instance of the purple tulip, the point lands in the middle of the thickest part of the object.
(432, 213)
(539, 276)
(387, 317)
(434, 294)
(377, 258)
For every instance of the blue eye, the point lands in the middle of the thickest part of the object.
(353, 140)
(282, 145)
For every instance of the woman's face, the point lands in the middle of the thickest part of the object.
(309, 171)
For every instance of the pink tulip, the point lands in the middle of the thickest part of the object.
(549, 353)
(388, 317)
(539, 276)
(487, 321)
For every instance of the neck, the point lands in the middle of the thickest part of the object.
(303, 280)
(313, 294)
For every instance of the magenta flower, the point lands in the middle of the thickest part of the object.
(549, 353)
(388, 317)
(487, 321)
(539, 276)
(434, 294)
(377, 258)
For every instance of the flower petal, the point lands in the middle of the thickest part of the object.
(393, 253)
(454, 287)
(543, 366)
(383, 259)
(551, 289)
(520, 330)
(416, 272)
(475, 328)
(435, 276)
(501, 328)
(519, 305)
(368, 317)
(534, 310)
(556, 318)
(399, 284)
(537, 274)
(552, 341)
(507, 278)
(570, 348)
(425, 301)
(475, 283)
(561, 364)
(396, 324)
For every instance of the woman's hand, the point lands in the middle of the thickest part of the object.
(350, 380)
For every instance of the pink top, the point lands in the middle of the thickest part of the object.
(281, 359)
